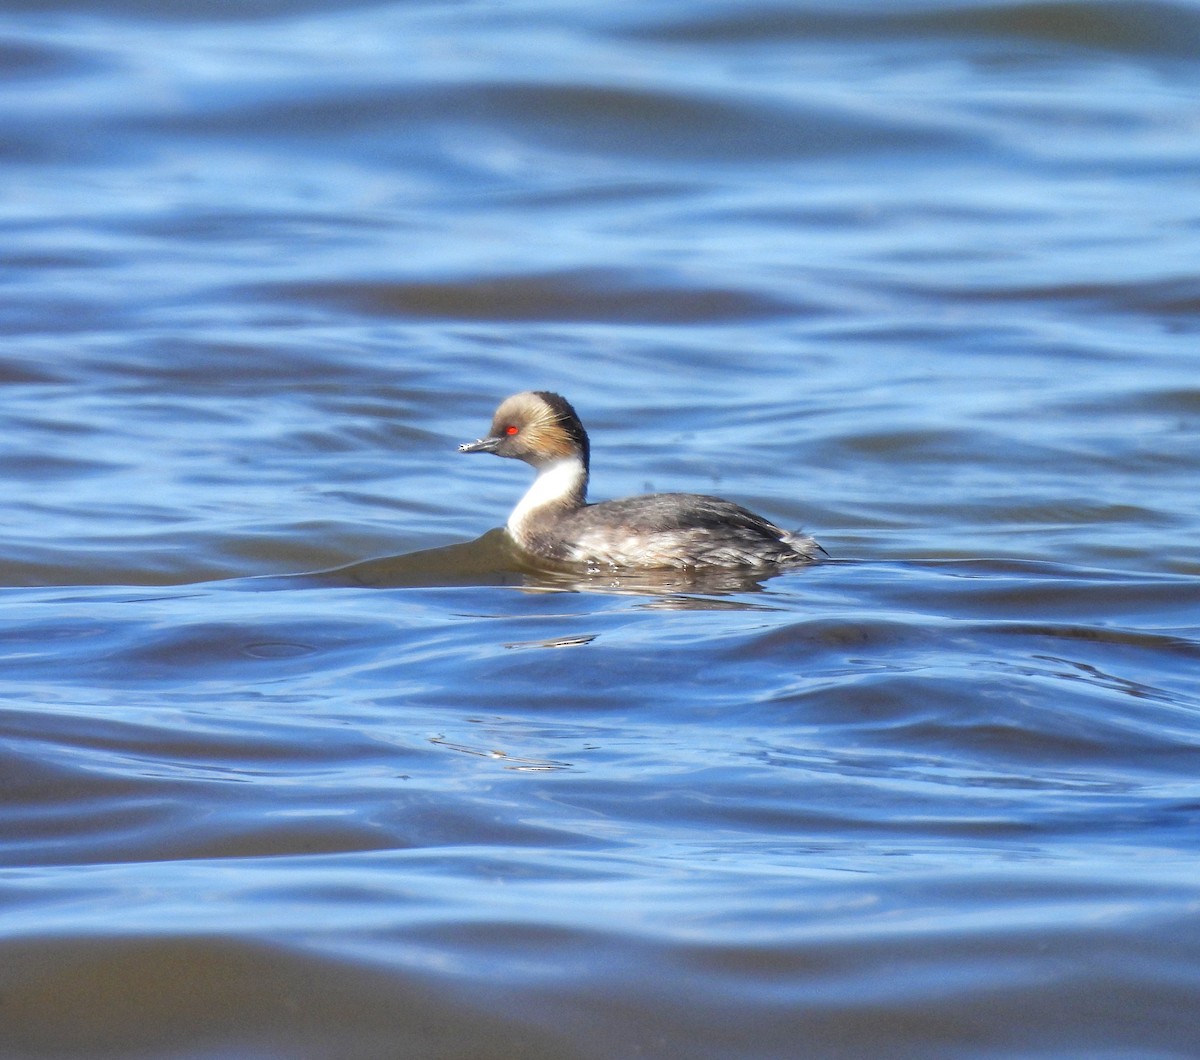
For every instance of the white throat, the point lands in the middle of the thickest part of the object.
(555, 482)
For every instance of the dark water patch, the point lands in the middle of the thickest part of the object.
(162, 820)
(573, 194)
(25, 371)
(1166, 296)
(1023, 589)
(612, 120)
(164, 559)
(224, 366)
(228, 646)
(40, 467)
(922, 445)
(1146, 29)
(185, 787)
(56, 315)
(34, 261)
(202, 11)
(163, 793)
(1076, 512)
(1020, 719)
(1133, 27)
(177, 654)
(271, 997)
(1175, 401)
(226, 228)
(598, 295)
(254, 737)
(29, 55)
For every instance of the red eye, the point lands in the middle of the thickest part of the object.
(510, 430)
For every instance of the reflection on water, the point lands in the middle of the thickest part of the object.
(489, 560)
(920, 277)
(494, 559)
(508, 761)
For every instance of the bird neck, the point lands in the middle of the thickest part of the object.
(561, 486)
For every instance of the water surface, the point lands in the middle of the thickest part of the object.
(298, 761)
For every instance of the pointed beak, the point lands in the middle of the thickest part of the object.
(483, 445)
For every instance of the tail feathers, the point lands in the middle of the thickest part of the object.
(802, 544)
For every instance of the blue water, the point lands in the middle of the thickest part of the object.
(298, 761)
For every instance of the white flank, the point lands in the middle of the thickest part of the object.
(554, 482)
